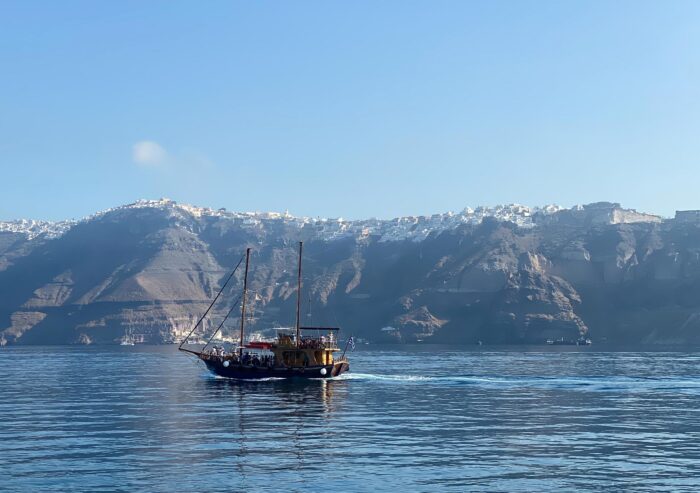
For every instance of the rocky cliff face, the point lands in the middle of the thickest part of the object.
(502, 275)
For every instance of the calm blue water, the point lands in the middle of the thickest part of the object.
(422, 419)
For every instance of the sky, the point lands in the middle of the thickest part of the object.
(348, 109)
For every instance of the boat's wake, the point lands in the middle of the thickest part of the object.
(390, 378)
(489, 382)
(586, 383)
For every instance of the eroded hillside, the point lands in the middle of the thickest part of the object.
(502, 275)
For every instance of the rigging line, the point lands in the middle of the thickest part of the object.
(235, 304)
(337, 324)
(308, 313)
(212, 303)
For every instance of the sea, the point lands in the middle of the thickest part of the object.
(405, 419)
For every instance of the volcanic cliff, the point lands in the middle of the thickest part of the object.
(508, 274)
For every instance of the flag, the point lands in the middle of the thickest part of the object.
(351, 342)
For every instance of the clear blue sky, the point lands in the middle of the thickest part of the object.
(351, 109)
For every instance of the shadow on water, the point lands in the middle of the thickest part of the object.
(297, 396)
(269, 426)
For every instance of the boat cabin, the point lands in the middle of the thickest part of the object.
(313, 348)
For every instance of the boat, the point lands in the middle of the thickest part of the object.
(128, 339)
(298, 352)
(581, 341)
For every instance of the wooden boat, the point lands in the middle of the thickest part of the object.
(302, 352)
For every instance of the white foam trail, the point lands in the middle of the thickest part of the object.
(591, 383)
(394, 378)
(418, 378)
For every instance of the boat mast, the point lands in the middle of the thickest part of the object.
(211, 305)
(299, 296)
(245, 292)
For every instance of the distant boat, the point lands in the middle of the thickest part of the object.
(301, 352)
(581, 341)
(128, 339)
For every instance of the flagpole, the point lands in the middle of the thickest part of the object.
(346, 346)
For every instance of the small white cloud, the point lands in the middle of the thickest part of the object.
(149, 153)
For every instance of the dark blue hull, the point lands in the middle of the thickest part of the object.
(217, 367)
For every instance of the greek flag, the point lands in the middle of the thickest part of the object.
(351, 342)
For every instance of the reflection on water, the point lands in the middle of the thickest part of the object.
(150, 419)
(270, 425)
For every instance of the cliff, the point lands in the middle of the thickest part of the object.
(508, 274)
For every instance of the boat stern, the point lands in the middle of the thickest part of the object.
(339, 367)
